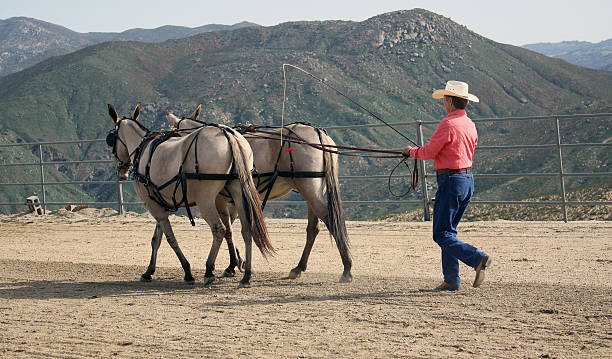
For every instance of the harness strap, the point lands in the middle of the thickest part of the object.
(294, 174)
(185, 201)
(180, 179)
(269, 189)
(211, 176)
(272, 179)
(321, 142)
(197, 166)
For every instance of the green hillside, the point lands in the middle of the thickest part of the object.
(390, 63)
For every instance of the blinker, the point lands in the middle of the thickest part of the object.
(110, 139)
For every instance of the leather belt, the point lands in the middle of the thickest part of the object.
(447, 171)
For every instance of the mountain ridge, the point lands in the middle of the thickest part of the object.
(390, 63)
(26, 41)
(583, 53)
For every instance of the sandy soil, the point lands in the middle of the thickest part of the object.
(69, 288)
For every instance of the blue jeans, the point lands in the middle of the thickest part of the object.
(454, 194)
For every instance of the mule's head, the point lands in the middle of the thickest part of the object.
(117, 140)
(181, 124)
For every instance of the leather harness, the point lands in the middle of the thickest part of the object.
(180, 180)
(265, 185)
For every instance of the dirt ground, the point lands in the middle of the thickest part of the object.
(69, 289)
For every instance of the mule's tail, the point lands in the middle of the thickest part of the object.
(250, 199)
(335, 215)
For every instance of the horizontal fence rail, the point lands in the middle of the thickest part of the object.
(425, 200)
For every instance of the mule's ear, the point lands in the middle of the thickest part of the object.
(113, 113)
(196, 113)
(172, 119)
(136, 111)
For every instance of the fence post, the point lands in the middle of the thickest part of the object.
(421, 163)
(120, 197)
(561, 170)
(42, 179)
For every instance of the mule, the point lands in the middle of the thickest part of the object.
(300, 167)
(194, 168)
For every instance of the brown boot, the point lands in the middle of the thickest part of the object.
(480, 271)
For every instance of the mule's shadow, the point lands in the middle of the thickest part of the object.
(271, 290)
(64, 289)
(74, 281)
(168, 282)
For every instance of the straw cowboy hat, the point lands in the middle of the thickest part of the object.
(457, 89)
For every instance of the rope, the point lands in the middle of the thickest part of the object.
(414, 174)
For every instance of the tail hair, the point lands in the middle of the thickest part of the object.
(335, 214)
(250, 199)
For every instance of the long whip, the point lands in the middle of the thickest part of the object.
(339, 93)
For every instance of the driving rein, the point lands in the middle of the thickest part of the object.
(264, 133)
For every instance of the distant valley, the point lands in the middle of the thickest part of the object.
(592, 55)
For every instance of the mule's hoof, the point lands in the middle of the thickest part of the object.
(346, 278)
(189, 280)
(294, 274)
(228, 273)
(244, 284)
(208, 281)
(145, 278)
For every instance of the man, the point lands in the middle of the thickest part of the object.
(452, 147)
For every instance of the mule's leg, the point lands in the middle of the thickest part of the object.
(248, 249)
(155, 242)
(233, 215)
(161, 216)
(347, 262)
(311, 234)
(208, 211)
(317, 202)
(167, 229)
(236, 192)
(221, 204)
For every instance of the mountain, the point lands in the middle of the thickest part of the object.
(582, 53)
(25, 41)
(390, 63)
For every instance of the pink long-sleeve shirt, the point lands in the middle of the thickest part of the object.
(452, 143)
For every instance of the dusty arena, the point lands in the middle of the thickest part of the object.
(69, 288)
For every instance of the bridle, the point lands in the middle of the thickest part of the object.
(113, 137)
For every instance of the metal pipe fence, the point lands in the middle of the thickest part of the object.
(425, 200)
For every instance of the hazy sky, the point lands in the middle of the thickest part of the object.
(515, 22)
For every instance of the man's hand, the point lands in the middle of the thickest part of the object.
(406, 151)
